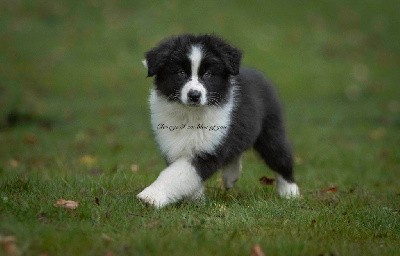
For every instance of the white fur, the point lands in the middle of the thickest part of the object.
(180, 138)
(144, 62)
(231, 172)
(177, 181)
(195, 57)
(187, 139)
(286, 189)
(182, 131)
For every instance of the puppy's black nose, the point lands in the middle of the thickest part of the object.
(194, 96)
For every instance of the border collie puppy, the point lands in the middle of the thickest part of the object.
(205, 112)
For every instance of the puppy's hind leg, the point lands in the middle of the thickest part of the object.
(286, 188)
(275, 149)
(231, 172)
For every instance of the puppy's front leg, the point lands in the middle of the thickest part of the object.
(177, 181)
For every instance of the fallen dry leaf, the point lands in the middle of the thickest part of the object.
(8, 245)
(88, 160)
(257, 251)
(30, 139)
(97, 200)
(68, 204)
(266, 181)
(134, 168)
(14, 163)
(330, 190)
(313, 223)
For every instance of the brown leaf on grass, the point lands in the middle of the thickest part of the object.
(266, 181)
(88, 160)
(97, 200)
(332, 189)
(30, 139)
(8, 245)
(14, 163)
(68, 204)
(134, 168)
(313, 222)
(257, 251)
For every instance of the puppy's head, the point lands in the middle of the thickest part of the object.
(193, 70)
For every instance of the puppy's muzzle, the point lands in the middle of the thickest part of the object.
(194, 97)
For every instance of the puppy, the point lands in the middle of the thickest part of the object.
(206, 111)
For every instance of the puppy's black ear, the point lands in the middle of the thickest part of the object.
(158, 56)
(230, 55)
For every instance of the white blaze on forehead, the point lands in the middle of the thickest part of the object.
(195, 56)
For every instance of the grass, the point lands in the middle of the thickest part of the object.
(72, 73)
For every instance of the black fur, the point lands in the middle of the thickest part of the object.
(256, 122)
(169, 62)
(257, 117)
(176, 48)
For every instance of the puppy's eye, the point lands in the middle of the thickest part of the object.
(207, 74)
(182, 74)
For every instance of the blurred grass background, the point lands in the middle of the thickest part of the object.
(73, 102)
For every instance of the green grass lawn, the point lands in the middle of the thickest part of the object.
(72, 73)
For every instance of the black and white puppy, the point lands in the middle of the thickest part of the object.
(205, 112)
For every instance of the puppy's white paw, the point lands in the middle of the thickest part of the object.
(286, 189)
(176, 182)
(153, 197)
(290, 191)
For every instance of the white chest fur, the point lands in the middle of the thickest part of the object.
(182, 131)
